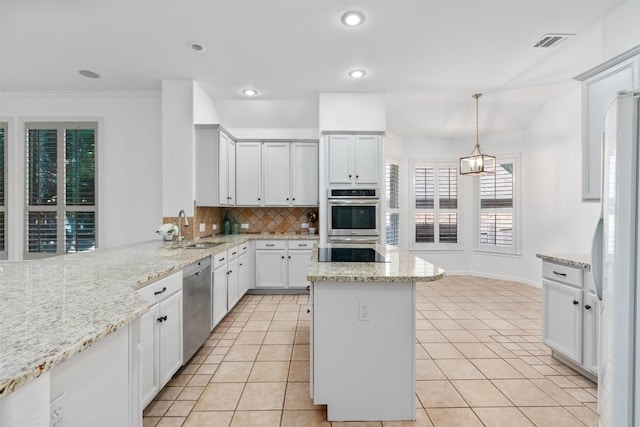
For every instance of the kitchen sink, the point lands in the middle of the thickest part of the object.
(206, 245)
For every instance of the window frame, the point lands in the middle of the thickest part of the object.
(514, 249)
(436, 246)
(4, 208)
(60, 208)
(388, 209)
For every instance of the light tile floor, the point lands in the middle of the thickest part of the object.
(479, 362)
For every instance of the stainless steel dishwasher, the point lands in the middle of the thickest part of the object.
(196, 306)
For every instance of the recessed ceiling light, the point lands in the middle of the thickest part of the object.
(357, 74)
(250, 92)
(352, 18)
(197, 47)
(89, 73)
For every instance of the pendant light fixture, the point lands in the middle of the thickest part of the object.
(477, 163)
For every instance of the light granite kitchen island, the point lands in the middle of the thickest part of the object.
(363, 334)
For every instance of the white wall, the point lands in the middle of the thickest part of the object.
(204, 109)
(352, 112)
(621, 29)
(274, 133)
(553, 219)
(129, 159)
(178, 147)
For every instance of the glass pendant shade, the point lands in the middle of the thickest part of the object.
(477, 163)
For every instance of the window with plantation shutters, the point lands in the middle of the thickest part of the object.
(392, 228)
(497, 208)
(61, 188)
(3, 190)
(435, 205)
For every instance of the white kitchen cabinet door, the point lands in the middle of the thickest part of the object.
(271, 268)
(170, 337)
(148, 355)
(367, 159)
(591, 332)
(249, 173)
(243, 274)
(223, 169)
(233, 292)
(231, 177)
(340, 159)
(562, 319)
(597, 92)
(275, 174)
(219, 294)
(298, 266)
(304, 173)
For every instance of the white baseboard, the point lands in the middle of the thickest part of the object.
(494, 276)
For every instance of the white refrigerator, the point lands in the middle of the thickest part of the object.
(616, 265)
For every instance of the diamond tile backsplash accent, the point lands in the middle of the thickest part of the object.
(260, 220)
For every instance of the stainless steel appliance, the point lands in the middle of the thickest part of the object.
(353, 215)
(349, 255)
(196, 306)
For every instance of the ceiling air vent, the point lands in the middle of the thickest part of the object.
(552, 40)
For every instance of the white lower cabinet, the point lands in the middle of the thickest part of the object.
(219, 283)
(160, 335)
(243, 269)
(570, 320)
(229, 281)
(562, 329)
(282, 264)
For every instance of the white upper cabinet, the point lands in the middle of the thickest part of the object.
(276, 173)
(304, 173)
(340, 164)
(249, 174)
(354, 159)
(600, 86)
(215, 167)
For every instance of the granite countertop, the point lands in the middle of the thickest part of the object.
(401, 267)
(582, 261)
(56, 307)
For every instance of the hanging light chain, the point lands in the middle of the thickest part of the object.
(477, 97)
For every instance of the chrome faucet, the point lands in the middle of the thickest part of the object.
(180, 225)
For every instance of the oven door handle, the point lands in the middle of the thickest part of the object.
(353, 201)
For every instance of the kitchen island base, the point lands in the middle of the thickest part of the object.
(363, 350)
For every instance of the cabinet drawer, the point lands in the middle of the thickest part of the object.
(301, 244)
(219, 260)
(233, 253)
(244, 248)
(271, 244)
(560, 273)
(157, 291)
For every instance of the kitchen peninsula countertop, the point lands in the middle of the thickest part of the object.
(56, 307)
(582, 261)
(402, 266)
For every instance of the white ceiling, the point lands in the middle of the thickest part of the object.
(428, 56)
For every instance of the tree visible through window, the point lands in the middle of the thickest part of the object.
(497, 208)
(3, 181)
(61, 189)
(393, 203)
(435, 205)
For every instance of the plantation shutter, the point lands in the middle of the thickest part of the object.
(496, 207)
(392, 225)
(3, 180)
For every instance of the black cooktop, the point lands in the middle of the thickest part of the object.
(349, 255)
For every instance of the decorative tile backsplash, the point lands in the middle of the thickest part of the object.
(260, 220)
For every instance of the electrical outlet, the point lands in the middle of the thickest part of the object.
(244, 226)
(202, 226)
(363, 312)
(214, 227)
(305, 225)
(56, 411)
